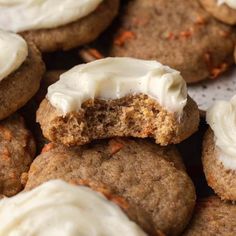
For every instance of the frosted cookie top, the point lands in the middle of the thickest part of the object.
(13, 52)
(222, 119)
(229, 3)
(22, 15)
(114, 78)
(57, 208)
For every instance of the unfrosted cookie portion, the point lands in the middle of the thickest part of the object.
(219, 149)
(178, 33)
(222, 10)
(149, 177)
(118, 97)
(21, 85)
(17, 150)
(212, 217)
(70, 34)
(219, 177)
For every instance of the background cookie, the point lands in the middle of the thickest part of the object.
(29, 110)
(212, 217)
(77, 33)
(17, 88)
(189, 41)
(222, 12)
(17, 149)
(222, 180)
(136, 170)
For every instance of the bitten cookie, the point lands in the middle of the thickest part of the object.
(219, 149)
(149, 177)
(51, 28)
(118, 97)
(21, 69)
(59, 208)
(177, 33)
(223, 10)
(17, 150)
(212, 217)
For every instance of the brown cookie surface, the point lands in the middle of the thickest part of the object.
(17, 150)
(221, 12)
(29, 110)
(177, 33)
(134, 115)
(20, 86)
(221, 179)
(76, 33)
(146, 175)
(213, 217)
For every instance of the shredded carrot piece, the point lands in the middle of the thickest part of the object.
(115, 146)
(47, 147)
(95, 53)
(119, 201)
(171, 36)
(215, 72)
(123, 37)
(185, 34)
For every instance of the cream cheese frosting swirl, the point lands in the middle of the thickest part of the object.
(114, 78)
(22, 15)
(222, 119)
(229, 3)
(57, 208)
(13, 52)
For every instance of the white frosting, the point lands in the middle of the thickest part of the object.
(114, 78)
(222, 119)
(21, 15)
(13, 52)
(230, 3)
(59, 209)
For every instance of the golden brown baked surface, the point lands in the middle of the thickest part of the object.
(134, 115)
(212, 217)
(17, 150)
(77, 33)
(177, 33)
(20, 86)
(222, 180)
(145, 174)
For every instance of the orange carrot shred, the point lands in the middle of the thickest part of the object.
(123, 37)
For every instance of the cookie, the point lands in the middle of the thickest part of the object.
(141, 99)
(21, 80)
(212, 217)
(221, 10)
(146, 175)
(180, 34)
(29, 110)
(218, 155)
(71, 210)
(220, 178)
(81, 22)
(17, 150)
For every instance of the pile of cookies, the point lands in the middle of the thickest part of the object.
(95, 148)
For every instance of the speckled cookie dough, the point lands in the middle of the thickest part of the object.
(189, 41)
(148, 176)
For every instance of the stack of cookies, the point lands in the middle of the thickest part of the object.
(101, 154)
